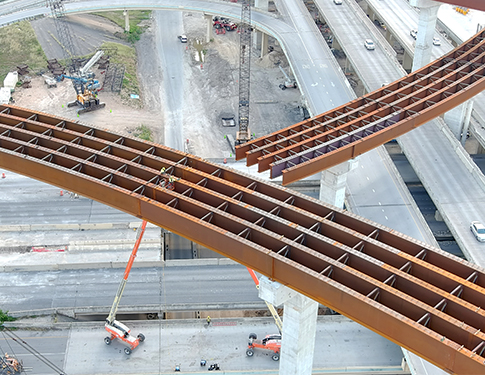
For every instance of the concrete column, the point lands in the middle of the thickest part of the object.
(428, 13)
(333, 182)
(257, 39)
(208, 34)
(299, 326)
(261, 5)
(264, 45)
(127, 21)
(458, 120)
(407, 62)
(335, 43)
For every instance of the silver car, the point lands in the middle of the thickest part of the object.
(478, 230)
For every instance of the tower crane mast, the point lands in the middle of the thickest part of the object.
(244, 134)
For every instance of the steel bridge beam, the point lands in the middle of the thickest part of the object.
(421, 298)
(354, 128)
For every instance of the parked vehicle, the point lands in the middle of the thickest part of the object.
(224, 23)
(337, 2)
(182, 38)
(436, 42)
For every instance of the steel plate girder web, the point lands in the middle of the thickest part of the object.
(419, 297)
(353, 110)
(474, 4)
(360, 125)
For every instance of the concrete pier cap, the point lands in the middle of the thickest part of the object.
(273, 292)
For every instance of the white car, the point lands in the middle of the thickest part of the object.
(183, 38)
(414, 33)
(369, 44)
(337, 2)
(436, 42)
(478, 230)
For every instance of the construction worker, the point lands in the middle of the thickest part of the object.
(208, 320)
(162, 171)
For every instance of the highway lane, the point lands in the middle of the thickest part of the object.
(27, 201)
(351, 29)
(171, 52)
(79, 349)
(159, 288)
(52, 344)
(400, 18)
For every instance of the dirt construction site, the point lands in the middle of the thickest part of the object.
(210, 86)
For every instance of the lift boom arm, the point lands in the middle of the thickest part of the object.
(116, 302)
(271, 308)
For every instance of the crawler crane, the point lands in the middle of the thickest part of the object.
(116, 329)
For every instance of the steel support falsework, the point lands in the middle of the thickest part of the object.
(354, 128)
(421, 298)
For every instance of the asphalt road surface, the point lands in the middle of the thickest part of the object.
(160, 288)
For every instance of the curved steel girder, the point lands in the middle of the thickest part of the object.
(419, 297)
(474, 4)
(356, 127)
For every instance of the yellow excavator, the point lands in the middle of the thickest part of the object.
(86, 90)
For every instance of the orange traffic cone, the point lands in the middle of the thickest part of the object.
(201, 67)
(3, 175)
(225, 161)
(62, 193)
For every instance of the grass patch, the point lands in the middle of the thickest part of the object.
(143, 132)
(4, 317)
(20, 46)
(136, 16)
(125, 55)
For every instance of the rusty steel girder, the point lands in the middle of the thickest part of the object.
(474, 4)
(354, 128)
(421, 298)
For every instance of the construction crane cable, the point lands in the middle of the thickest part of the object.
(33, 351)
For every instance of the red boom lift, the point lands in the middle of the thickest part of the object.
(116, 329)
(270, 342)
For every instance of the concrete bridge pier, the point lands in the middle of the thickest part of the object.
(299, 326)
(127, 21)
(208, 34)
(428, 13)
(407, 62)
(458, 120)
(333, 182)
(260, 39)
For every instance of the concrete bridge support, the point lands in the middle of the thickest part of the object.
(299, 326)
(407, 62)
(458, 120)
(208, 34)
(333, 182)
(260, 40)
(127, 21)
(428, 14)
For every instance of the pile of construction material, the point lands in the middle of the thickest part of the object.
(55, 68)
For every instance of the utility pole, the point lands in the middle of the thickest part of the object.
(244, 134)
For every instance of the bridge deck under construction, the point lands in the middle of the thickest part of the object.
(356, 127)
(420, 297)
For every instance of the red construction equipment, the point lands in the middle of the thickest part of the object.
(270, 342)
(117, 329)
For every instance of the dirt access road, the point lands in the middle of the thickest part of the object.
(209, 90)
